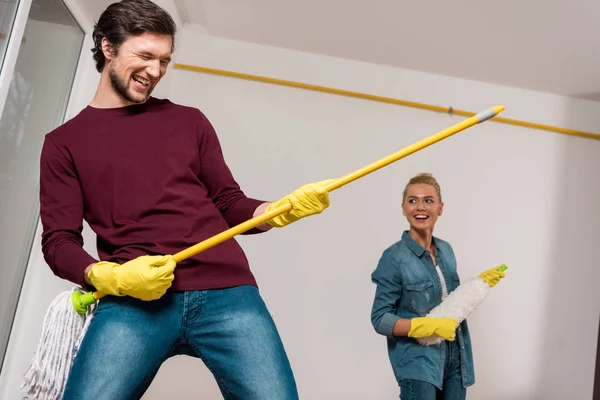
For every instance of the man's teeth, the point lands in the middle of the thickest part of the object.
(141, 80)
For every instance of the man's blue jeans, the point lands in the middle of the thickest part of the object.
(231, 330)
(453, 389)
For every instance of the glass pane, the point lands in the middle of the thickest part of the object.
(36, 104)
(8, 10)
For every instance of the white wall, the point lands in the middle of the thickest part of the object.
(517, 196)
(513, 195)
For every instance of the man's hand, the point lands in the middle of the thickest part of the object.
(145, 278)
(426, 326)
(308, 200)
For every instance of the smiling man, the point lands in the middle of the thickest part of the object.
(150, 179)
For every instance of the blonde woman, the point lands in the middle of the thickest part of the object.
(413, 276)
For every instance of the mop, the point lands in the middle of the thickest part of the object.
(64, 329)
(459, 304)
(62, 332)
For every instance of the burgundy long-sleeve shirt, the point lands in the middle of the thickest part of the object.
(148, 179)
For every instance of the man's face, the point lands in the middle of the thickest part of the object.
(139, 65)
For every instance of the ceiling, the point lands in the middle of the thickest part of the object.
(544, 45)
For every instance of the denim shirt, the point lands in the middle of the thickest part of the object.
(408, 286)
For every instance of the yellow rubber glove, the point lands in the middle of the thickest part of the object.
(492, 276)
(145, 277)
(427, 326)
(308, 200)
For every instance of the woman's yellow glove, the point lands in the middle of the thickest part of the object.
(309, 199)
(145, 277)
(427, 326)
(493, 275)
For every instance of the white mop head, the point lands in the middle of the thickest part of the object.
(458, 305)
(62, 332)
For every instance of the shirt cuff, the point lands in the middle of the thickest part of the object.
(386, 324)
(241, 212)
(70, 262)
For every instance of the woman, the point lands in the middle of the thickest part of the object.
(413, 276)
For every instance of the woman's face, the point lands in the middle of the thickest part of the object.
(421, 206)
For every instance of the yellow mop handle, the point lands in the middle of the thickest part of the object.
(336, 184)
(421, 144)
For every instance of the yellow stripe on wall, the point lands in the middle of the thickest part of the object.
(389, 100)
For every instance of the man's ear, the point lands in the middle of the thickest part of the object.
(107, 49)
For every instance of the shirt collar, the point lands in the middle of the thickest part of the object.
(416, 247)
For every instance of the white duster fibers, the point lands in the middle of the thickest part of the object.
(458, 305)
(62, 333)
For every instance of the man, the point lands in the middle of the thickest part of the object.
(150, 179)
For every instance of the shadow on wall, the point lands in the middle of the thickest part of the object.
(597, 374)
(572, 307)
(589, 96)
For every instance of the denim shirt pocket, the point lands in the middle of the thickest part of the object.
(419, 296)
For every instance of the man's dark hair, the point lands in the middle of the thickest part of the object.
(126, 18)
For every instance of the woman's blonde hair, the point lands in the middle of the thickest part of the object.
(426, 178)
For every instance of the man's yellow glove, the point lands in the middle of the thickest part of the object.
(308, 200)
(427, 326)
(492, 276)
(145, 277)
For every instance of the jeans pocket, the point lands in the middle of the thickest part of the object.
(419, 297)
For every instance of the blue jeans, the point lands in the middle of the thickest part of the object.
(411, 389)
(231, 330)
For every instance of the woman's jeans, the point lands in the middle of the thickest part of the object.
(453, 388)
(231, 330)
